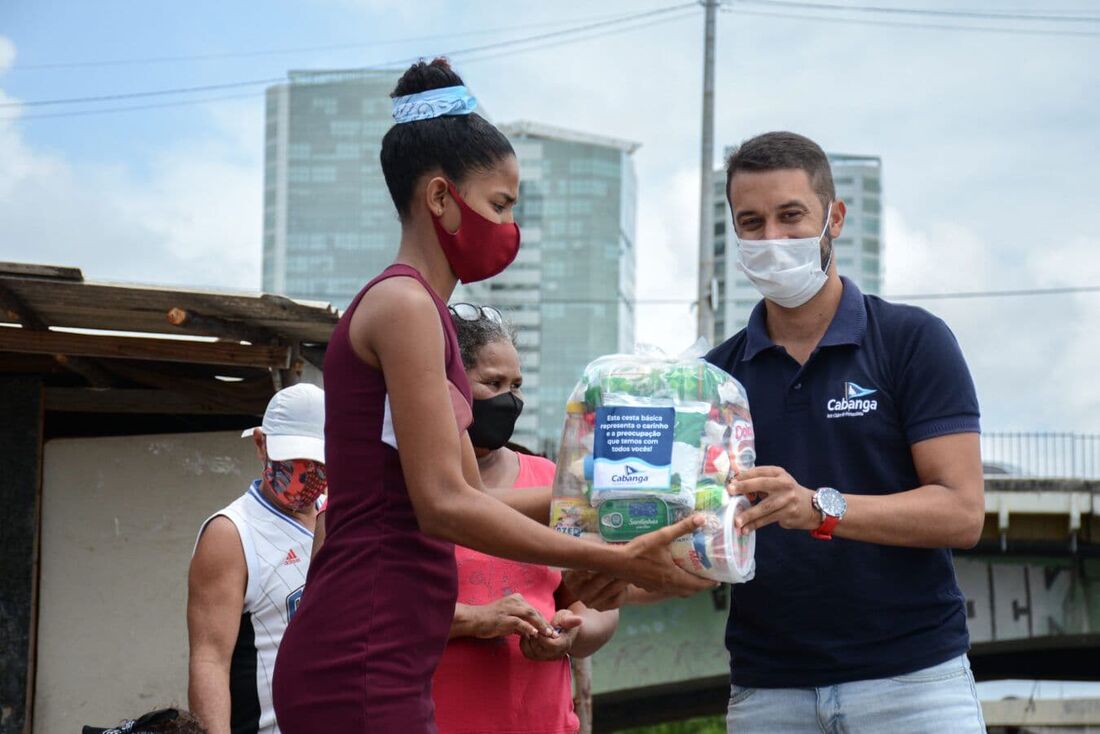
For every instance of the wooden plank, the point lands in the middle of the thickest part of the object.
(29, 364)
(123, 308)
(128, 347)
(20, 495)
(19, 310)
(245, 398)
(138, 400)
(89, 369)
(195, 323)
(33, 270)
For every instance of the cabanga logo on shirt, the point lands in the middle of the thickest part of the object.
(857, 402)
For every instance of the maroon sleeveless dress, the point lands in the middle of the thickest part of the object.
(360, 651)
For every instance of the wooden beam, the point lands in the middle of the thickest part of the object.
(220, 327)
(18, 308)
(245, 398)
(32, 270)
(138, 400)
(128, 347)
(20, 494)
(89, 369)
(29, 364)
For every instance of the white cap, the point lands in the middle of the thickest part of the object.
(294, 424)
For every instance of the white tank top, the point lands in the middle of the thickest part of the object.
(276, 550)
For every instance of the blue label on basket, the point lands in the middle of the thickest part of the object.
(633, 448)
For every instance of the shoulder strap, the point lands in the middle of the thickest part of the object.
(399, 270)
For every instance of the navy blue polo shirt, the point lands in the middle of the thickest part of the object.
(884, 376)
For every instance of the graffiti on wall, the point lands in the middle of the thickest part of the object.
(1015, 601)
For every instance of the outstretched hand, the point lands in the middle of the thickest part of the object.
(649, 561)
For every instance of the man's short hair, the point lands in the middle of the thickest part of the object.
(784, 150)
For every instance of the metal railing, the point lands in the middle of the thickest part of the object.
(1042, 455)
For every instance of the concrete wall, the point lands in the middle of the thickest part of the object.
(119, 517)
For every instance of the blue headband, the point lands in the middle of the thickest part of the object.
(433, 103)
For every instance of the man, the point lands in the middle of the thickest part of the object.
(868, 471)
(249, 568)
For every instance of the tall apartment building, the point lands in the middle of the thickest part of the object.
(329, 222)
(329, 225)
(859, 249)
(570, 292)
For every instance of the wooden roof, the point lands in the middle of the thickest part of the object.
(61, 297)
(103, 347)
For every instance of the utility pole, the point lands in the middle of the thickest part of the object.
(706, 300)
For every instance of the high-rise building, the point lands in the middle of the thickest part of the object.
(858, 253)
(570, 292)
(329, 225)
(329, 222)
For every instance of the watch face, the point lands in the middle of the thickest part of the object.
(831, 502)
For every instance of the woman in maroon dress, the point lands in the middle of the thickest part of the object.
(359, 653)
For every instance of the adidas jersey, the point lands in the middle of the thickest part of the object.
(276, 550)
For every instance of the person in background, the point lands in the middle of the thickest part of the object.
(362, 649)
(249, 568)
(496, 656)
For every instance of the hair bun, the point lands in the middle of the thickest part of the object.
(422, 76)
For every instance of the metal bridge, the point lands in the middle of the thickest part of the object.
(1033, 605)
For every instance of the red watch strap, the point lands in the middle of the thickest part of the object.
(825, 529)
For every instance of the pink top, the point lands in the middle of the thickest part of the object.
(484, 686)
(359, 653)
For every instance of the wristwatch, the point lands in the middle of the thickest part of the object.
(832, 506)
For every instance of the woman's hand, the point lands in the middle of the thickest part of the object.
(541, 648)
(505, 616)
(649, 562)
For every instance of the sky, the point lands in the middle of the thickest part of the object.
(989, 143)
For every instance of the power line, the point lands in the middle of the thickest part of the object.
(299, 49)
(478, 53)
(892, 296)
(691, 13)
(998, 294)
(132, 108)
(568, 31)
(980, 15)
(138, 95)
(921, 26)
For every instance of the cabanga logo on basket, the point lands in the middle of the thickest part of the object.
(857, 402)
(630, 474)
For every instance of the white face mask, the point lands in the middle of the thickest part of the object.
(788, 272)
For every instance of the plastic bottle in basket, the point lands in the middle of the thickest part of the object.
(571, 511)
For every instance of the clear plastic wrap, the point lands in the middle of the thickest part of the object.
(648, 440)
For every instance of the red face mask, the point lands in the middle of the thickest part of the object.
(297, 483)
(480, 248)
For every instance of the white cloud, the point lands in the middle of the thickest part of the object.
(7, 54)
(667, 260)
(193, 219)
(1032, 357)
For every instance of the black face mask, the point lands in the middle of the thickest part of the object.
(495, 420)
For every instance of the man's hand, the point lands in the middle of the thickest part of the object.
(650, 565)
(506, 616)
(785, 501)
(597, 590)
(567, 625)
